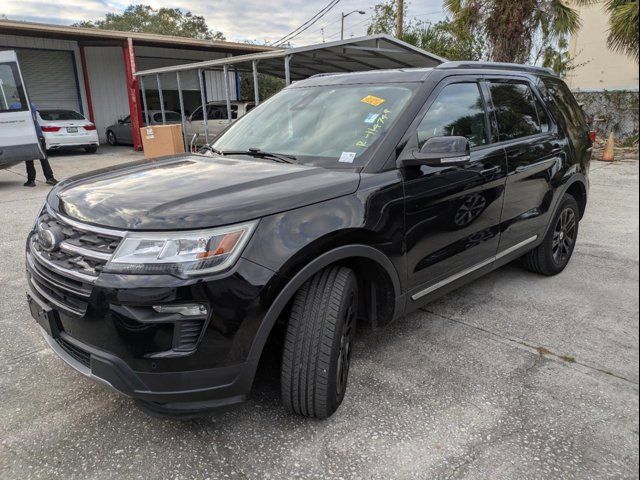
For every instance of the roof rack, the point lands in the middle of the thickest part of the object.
(496, 66)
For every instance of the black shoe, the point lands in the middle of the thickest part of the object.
(51, 181)
(30, 183)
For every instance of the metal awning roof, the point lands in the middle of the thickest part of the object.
(99, 37)
(375, 52)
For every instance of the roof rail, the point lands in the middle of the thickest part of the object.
(496, 66)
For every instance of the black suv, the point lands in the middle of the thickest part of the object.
(344, 199)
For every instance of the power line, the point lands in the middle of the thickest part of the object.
(295, 33)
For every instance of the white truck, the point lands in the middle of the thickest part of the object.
(18, 138)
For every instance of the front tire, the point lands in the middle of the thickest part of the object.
(111, 138)
(553, 254)
(318, 344)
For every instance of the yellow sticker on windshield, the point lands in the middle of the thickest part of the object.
(372, 100)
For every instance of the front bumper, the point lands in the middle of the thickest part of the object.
(107, 330)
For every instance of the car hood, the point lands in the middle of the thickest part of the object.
(194, 191)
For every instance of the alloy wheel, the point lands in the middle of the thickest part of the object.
(344, 355)
(564, 236)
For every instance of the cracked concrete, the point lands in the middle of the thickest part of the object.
(477, 385)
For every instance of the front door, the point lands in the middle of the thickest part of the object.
(453, 212)
(18, 138)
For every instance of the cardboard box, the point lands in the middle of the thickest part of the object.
(161, 140)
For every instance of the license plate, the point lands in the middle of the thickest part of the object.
(72, 129)
(44, 315)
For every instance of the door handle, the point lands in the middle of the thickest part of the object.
(490, 171)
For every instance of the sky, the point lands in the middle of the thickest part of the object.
(239, 20)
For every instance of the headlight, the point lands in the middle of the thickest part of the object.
(183, 254)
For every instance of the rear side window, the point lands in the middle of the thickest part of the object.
(219, 112)
(566, 102)
(458, 110)
(516, 110)
(11, 92)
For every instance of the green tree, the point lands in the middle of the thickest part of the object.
(443, 38)
(511, 28)
(623, 25)
(163, 21)
(446, 40)
(268, 85)
(383, 19)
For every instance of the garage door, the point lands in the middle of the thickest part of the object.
(50, 77)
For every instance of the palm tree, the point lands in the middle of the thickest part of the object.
(623, 25)
(511, 27)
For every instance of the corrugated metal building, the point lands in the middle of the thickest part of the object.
(91, 71)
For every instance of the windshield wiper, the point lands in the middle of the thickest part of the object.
(206, 147)
(256, 152)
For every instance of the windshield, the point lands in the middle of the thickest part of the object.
(53, 115)
(330, 126)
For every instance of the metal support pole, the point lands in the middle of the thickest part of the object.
(181, 100)
(227, 91)
(287, 72)
(164, 117)
(133, 93)
(256, 91)
(144, 101)
(203, 99)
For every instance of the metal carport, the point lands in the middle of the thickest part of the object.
(375, 52)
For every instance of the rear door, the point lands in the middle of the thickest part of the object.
(534, 157)
(18, 139)
(453, 212)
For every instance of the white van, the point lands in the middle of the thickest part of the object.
(18, 138)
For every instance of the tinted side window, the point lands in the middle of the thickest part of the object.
(566, 102)
(515, 110)
(11, 91)
(543, 118)
(457, 111)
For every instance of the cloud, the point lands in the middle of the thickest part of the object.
(246, 20)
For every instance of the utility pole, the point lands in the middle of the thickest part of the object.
(399, 18)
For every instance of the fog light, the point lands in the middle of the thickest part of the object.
(185, 309)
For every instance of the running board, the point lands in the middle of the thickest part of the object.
(464, 273)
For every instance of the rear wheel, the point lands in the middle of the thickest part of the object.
(91, 149)
(111, 138)
(318, 344)
(553, 254)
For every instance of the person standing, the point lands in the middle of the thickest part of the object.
(46, 168)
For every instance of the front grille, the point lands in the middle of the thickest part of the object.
(83, 251)
(64, 275)
(75, 352)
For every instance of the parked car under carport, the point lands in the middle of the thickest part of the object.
(120, 133)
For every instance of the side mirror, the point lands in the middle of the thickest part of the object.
(120, 121)
(440, 152)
